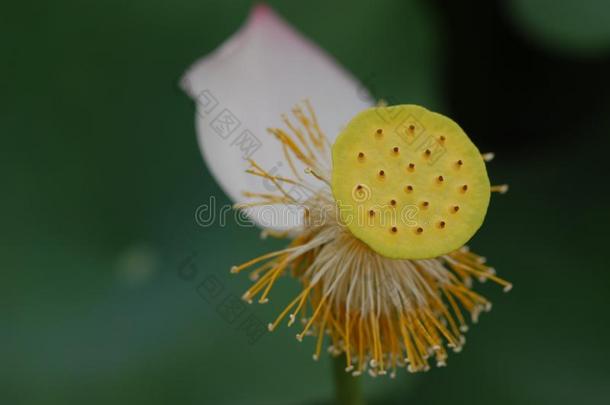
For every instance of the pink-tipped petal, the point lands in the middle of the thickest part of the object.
(243, 88)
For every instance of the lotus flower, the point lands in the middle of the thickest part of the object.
(379, 201)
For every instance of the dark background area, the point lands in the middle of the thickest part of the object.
(101, 175)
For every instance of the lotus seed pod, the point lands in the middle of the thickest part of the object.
(409, 182)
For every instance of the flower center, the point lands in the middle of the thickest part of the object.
(409, 182)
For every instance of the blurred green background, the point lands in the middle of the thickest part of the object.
(101, 175)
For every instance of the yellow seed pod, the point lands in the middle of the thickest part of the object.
(409, 182)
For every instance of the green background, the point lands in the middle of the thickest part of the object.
(101, 176)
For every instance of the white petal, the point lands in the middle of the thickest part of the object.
(243, 87)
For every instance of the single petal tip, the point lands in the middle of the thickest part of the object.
(261, 10)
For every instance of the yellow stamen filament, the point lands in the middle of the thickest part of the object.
(502, 189)
(321, 138)
(309, 170)
(321, 332)
(283, 314)
(300, 136)
(488, 157)
(313, 318)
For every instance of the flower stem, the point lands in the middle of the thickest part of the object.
(348, 389)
